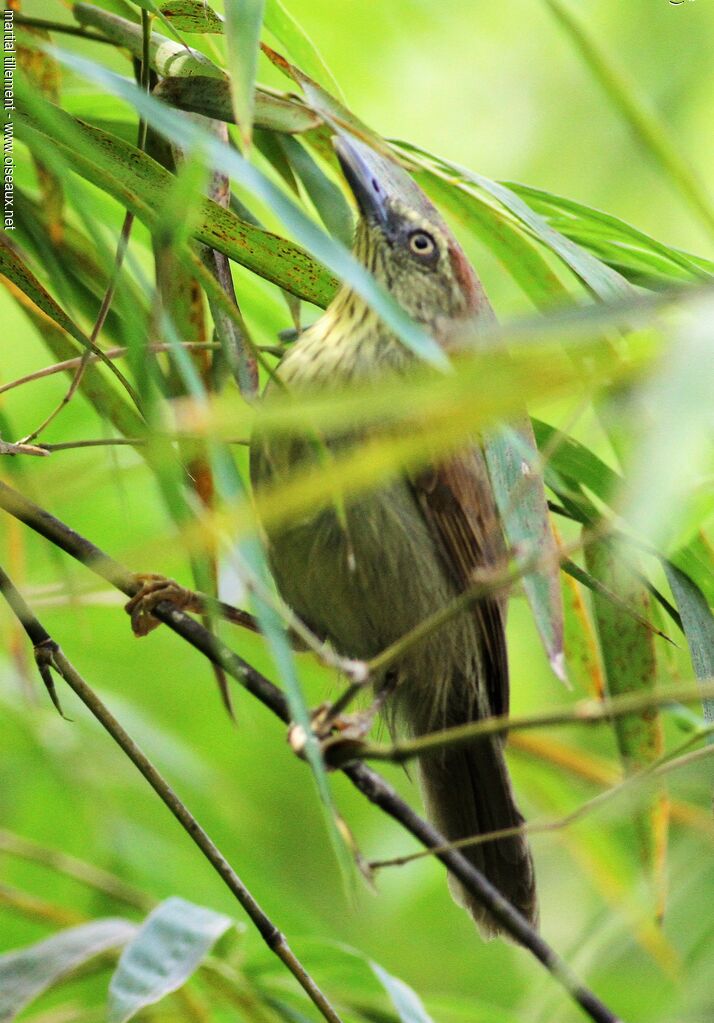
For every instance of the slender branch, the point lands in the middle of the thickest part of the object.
(670, 761)
(274, 938)
(110, 353)
(379, 792)
(49, 653)
(93, 442)
(586, 712)
(109, 442)
(597, 771)
(486, 584)
(372, 785)
(21, 449)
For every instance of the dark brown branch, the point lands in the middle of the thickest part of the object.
(371, 784)
(49, 653)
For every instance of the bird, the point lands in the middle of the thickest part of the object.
(363, 572)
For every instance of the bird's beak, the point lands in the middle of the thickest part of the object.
(365, 172)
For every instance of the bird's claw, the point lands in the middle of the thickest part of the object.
(155, 589)
(337, 737)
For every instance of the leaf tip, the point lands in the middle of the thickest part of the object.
(557, 663)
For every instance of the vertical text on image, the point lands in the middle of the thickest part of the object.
(8, 128)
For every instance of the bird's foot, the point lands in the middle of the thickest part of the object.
(337, 736)
(154, 590)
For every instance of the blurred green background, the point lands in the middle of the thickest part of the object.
(497, 87)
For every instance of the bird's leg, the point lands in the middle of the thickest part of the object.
(157, 588)
(357, 726)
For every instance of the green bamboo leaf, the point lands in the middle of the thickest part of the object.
(298, 44)
(600, 279)
(695, 560)
(233, 491)
(512, 459)
(212, 98)
(576, 572)
(73, 265)
(404, 999)
(649, 129)
(333, 111)
(569, 460)
(327, 198)
(179, 295)
(698, 623)
(330, 252)
(151, 8)
(641, 259)
(140, 184)
(192, 16)
(628, 658)
(268, 145)
(165, 951)
(26, 974)
(16, 270)
(244, 20)
(166, 57)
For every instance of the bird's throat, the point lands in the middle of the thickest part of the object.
(348, 342)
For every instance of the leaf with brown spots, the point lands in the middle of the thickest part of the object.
(628, 657)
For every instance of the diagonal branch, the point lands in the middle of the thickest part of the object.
(49, 654)
(670, 761)
(586, 712)
(371, 784)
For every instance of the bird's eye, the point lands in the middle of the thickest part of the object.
(421, 244)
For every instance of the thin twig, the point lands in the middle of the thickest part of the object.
(48, 653)
(129, 442)
(372, 785)
(486, 584)
(585, 712)
(110, 353)
(670, 761)
(21, 449)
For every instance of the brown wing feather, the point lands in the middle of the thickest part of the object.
(458, 504)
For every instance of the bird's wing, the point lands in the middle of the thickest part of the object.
(458, 505)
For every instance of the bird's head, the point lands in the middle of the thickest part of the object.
(403, 240)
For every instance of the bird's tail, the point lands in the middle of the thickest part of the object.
(467, 791)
